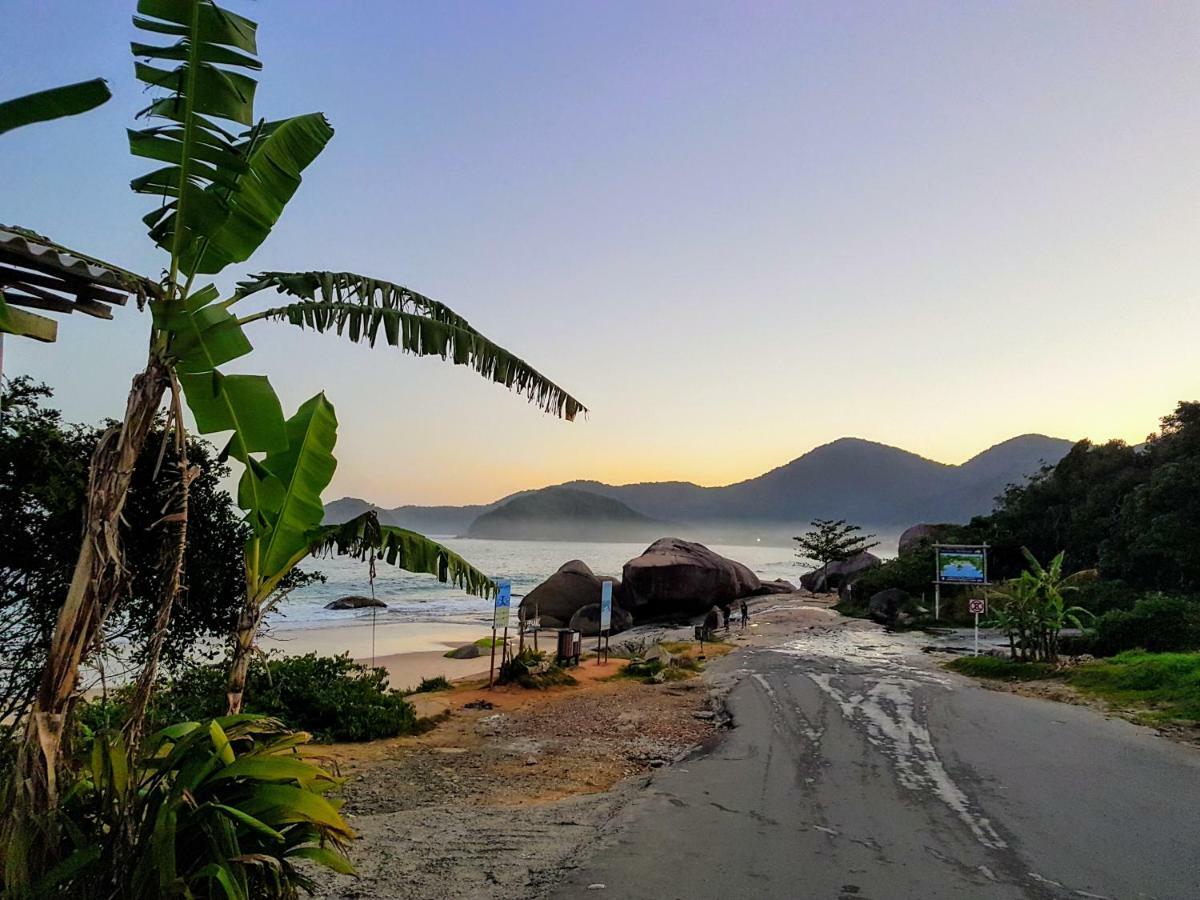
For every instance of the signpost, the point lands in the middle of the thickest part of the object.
(976, 606)
(606, 589)
(957, 564)
(500, 621)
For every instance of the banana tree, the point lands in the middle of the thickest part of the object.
(226, 179)
(290, 530)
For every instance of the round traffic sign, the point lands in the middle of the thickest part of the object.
(975, 606)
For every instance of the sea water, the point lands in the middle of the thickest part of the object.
(422, 598)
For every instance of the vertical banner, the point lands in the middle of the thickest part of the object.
(605, 605)
(503, 605)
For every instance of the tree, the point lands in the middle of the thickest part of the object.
(43, 479)
(1032, 609)
(832, 540)
(219, 195)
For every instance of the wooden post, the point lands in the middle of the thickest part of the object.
(492, 667)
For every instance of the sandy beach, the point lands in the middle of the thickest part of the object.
(409, 651)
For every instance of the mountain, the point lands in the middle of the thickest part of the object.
(875, 485)
(564, 514)
(440, 520)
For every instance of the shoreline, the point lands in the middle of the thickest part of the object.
(409, 651)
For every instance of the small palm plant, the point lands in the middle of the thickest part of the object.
(1033, 610)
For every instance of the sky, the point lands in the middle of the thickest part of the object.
(735, 231)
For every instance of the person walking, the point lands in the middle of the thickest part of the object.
(745, 614)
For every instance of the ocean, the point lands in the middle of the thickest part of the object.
(422, 598)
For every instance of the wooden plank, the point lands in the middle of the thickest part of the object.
(37, 327)
(69, 285)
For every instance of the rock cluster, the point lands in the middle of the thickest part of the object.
(673, 580)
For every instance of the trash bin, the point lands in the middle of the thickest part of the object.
(569, 645)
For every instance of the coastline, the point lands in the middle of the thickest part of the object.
(409, 651)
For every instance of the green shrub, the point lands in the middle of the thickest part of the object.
(1158, 623)
(332, 697)
(530, 670)
(1002, 669)
(1169, 683)
(223, 808)
(429, 685)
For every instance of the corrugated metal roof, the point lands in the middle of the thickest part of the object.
(43, 254)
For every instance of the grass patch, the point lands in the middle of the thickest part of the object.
(1167, 684)
(429, 685)
(1002, 669)
(487, 643)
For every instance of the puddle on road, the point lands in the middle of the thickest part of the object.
(873, 679)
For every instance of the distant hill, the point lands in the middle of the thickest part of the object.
(877, 486)
(565, 514)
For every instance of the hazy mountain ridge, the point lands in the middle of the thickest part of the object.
(872, 484)
(564, 514)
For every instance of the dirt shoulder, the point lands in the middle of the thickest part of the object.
(496, 802)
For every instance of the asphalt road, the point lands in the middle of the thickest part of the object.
(858, 770)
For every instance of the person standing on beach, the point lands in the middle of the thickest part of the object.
(726, 612)
(745, 613)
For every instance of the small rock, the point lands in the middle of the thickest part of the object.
(657, 763)
(478, 704)
(531, 761)
(704, 714)
(597, 886)
(354, 601)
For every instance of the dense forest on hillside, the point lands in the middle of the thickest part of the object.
(1132, 514)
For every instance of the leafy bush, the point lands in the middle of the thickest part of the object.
(654, 671)
(530, 669)
(333, 697)
(1169, 683)
(429, 685)
(1158, 623)
(225, 808)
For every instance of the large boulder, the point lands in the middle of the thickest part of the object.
(778, 586)
(564, 593)
(916, 535)
(885, 607)
(587, 620)
(466, 651)
(676, 579)
(354, 601)
(837, 575)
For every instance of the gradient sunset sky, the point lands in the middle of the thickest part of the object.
(734, 230)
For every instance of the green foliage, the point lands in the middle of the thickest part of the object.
(225, 807)
(1157, 622)
(1002, 669)
(43, 480)
(1166, 684)
(357, 307)
(431, 685)
(332, 697)
(530, 669)
(654, 671)
(1031, 609)
(363, 537)
(831, 541)
(54, 103)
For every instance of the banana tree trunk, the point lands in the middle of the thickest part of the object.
(94, 585)
(243, 647)
(175, 526)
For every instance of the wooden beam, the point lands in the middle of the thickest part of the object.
(28, 325)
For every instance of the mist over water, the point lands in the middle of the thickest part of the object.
(415, 598)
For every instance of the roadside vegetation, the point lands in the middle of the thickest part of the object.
(1155, 687)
